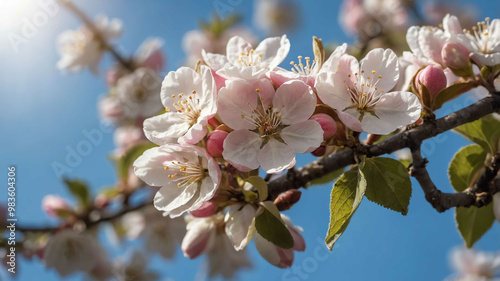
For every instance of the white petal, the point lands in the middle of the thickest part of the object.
(249, 73)
(241, 149)
(273, 50)
(169, 198)
(431, 43)
(235, 46)
(166, 128)
(295, 100)
(195, 133)
(451, 25)
(276, 156)
(385, 64)
(215, 61)
(149, 166)
(412, 39)
(182, 81)
(350, 121)
(332, 63)
(394, 110)
(267, 250)
(239, 98)
(240, 225)
(304, 137)
(332, 90)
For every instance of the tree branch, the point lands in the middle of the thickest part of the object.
(297, 178)
(98, 36)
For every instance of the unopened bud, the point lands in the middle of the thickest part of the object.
(327, 124)
(54, 205)
(433, 78)
(320, 151)
(287, 199)
(215, 143)
(205, 210)
(456, 57)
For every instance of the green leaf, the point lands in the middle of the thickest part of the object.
(484, 131)
(259, 184)
(270, 226)
(326, 178)
(465, 165)
(124, 163)
(346, 196)
(473, 222)
(79, 190)
(450, 93)
(387, 183)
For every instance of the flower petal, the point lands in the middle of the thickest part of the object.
(235, 46)
(166, 128)
(182, 81)
(276, 156)
(332, 90)
(273, 50)
(169, 198)
(296, 100)
(215, 61)
(386, 67)
(241, 149)
(240, 226)
(304, 137)
(239, 98)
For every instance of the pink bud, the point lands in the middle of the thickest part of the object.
(52, 204)
(320, 151)
(197, 240)
(456, 56)
(286, 257)
(299, 244)
(215, 142)
(206, 210)
(327, 124)
(433, 78)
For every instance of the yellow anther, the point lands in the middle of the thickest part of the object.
(299, 57)
(368, 78)
(194, 92)
(486, 33)
(242, 116)
(257, 90)
(373, 72)
(173, 96)
(348, 75)
(166, 168)
(167, 109)
(362, 71)
(380, 77)
(292, 63)
(252, 50)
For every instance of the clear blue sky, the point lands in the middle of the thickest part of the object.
(44, 111)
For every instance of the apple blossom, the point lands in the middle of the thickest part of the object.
(187, 174)
(484, 43)
(138, 93)
(53, 205)
(473, 265)
(242, 61)
(69, 251)
(362, 95)
(277, 256)
(80, 48)
(189, 100)
(269, 126)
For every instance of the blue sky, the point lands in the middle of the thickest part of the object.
(44, 113)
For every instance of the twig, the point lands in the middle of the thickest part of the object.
(97, 33)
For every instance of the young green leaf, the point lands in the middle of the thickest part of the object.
(473, 222)
(387, 183)
(270, 226)
(259, 184)
(346, 196)
(79, 190)
(484, 131)
(465, 165)
(450, 93)
(124, 163)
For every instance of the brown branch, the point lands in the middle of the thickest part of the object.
(297, 178)
(97, 34)
(479, 195)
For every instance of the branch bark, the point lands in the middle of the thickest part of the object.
(299, 177)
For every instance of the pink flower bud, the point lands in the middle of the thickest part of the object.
(327, 124)
(206, 210)
(215, 142)
(433, 78)
(456, 56)
(320, 151)
(52, 204)
(199, 237)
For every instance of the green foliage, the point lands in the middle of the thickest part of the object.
(484, 131)
(128, 159)
(451, 92)
(270, 226)
(388, 183)
(346, 196)
(79, 190)
(473, 222)
(259, 184)
(465, 166)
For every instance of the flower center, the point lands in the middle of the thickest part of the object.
(364, 94)
(76, 45)
(482, 35)
(305, 70)
(185, 173)
(250, 58)
(189, 106)
(266, 118)
(139, 93)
